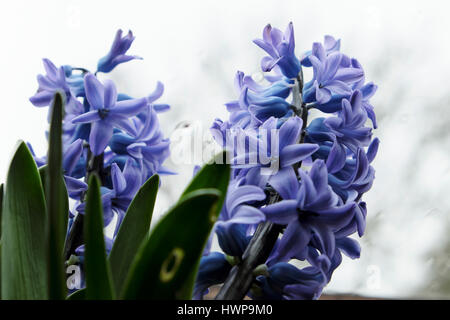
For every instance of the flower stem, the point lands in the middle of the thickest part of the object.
(241, 276)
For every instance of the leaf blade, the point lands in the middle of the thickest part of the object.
(97, 271)
(151, 276)
(212, 175)
(24, 227)
(134, 229)
(57, 203)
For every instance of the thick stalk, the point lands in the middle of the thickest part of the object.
(241, 276)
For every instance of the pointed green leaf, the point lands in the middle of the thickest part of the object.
(57, 204)
(0, 268)
(1, 208)
(213, 175)
(78, 295)
(24, 272)
(133, 231)
(168, 257)
(98, 274)
(43, 172)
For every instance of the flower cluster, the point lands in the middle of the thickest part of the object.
(306, 176)
(111, 133)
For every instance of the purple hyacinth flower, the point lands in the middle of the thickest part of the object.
(214, 269)
(233, 238)
(330, 45)
(327, 264)
(280, 47)
(149, 147)
(257, 103)
(368, 90)
(236, 209)
(125, 185)
(52, 82)
(349, 126)
(285, 281)
(356, 174)
(155, 95)
(308, 207)
(275, 148)
(151, 98)
(106, 112)
(330, 76)
(117, 53)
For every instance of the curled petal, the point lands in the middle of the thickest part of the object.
(282, 212)
(296, 152)
(129, 107)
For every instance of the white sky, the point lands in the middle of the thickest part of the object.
(196, 47)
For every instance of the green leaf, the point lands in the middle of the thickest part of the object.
(1, 208)
(0, 268)
(24, 272)
(78, 295)
(133, 231)
(168, 257)
(57, 204)
(97, 271)
(213, 175)
(43, 172)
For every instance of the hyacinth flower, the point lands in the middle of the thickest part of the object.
(332, 75)
(106, 112)
(213, 269)
(117, 53)
(256, 102)
(125, 184)
(148, 147)
(285, 281)
(94, 114)
(349, 126)
(236, 209)
(315, 198)
(307, 208)
(151, 98)
(280, 47)
(330, 45)
(55, 80)
(271, 157)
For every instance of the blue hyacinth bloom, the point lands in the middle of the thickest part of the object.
(117, 53)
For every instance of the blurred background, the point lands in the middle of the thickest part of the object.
(195, 48)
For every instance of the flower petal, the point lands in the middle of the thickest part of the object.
(89, 116)
(282, 212)
(101, 133)
(285, 183)
(295, 153)
(247, 215)
(295, 238)
(110, 94)
(94, 91)
(129, 107)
